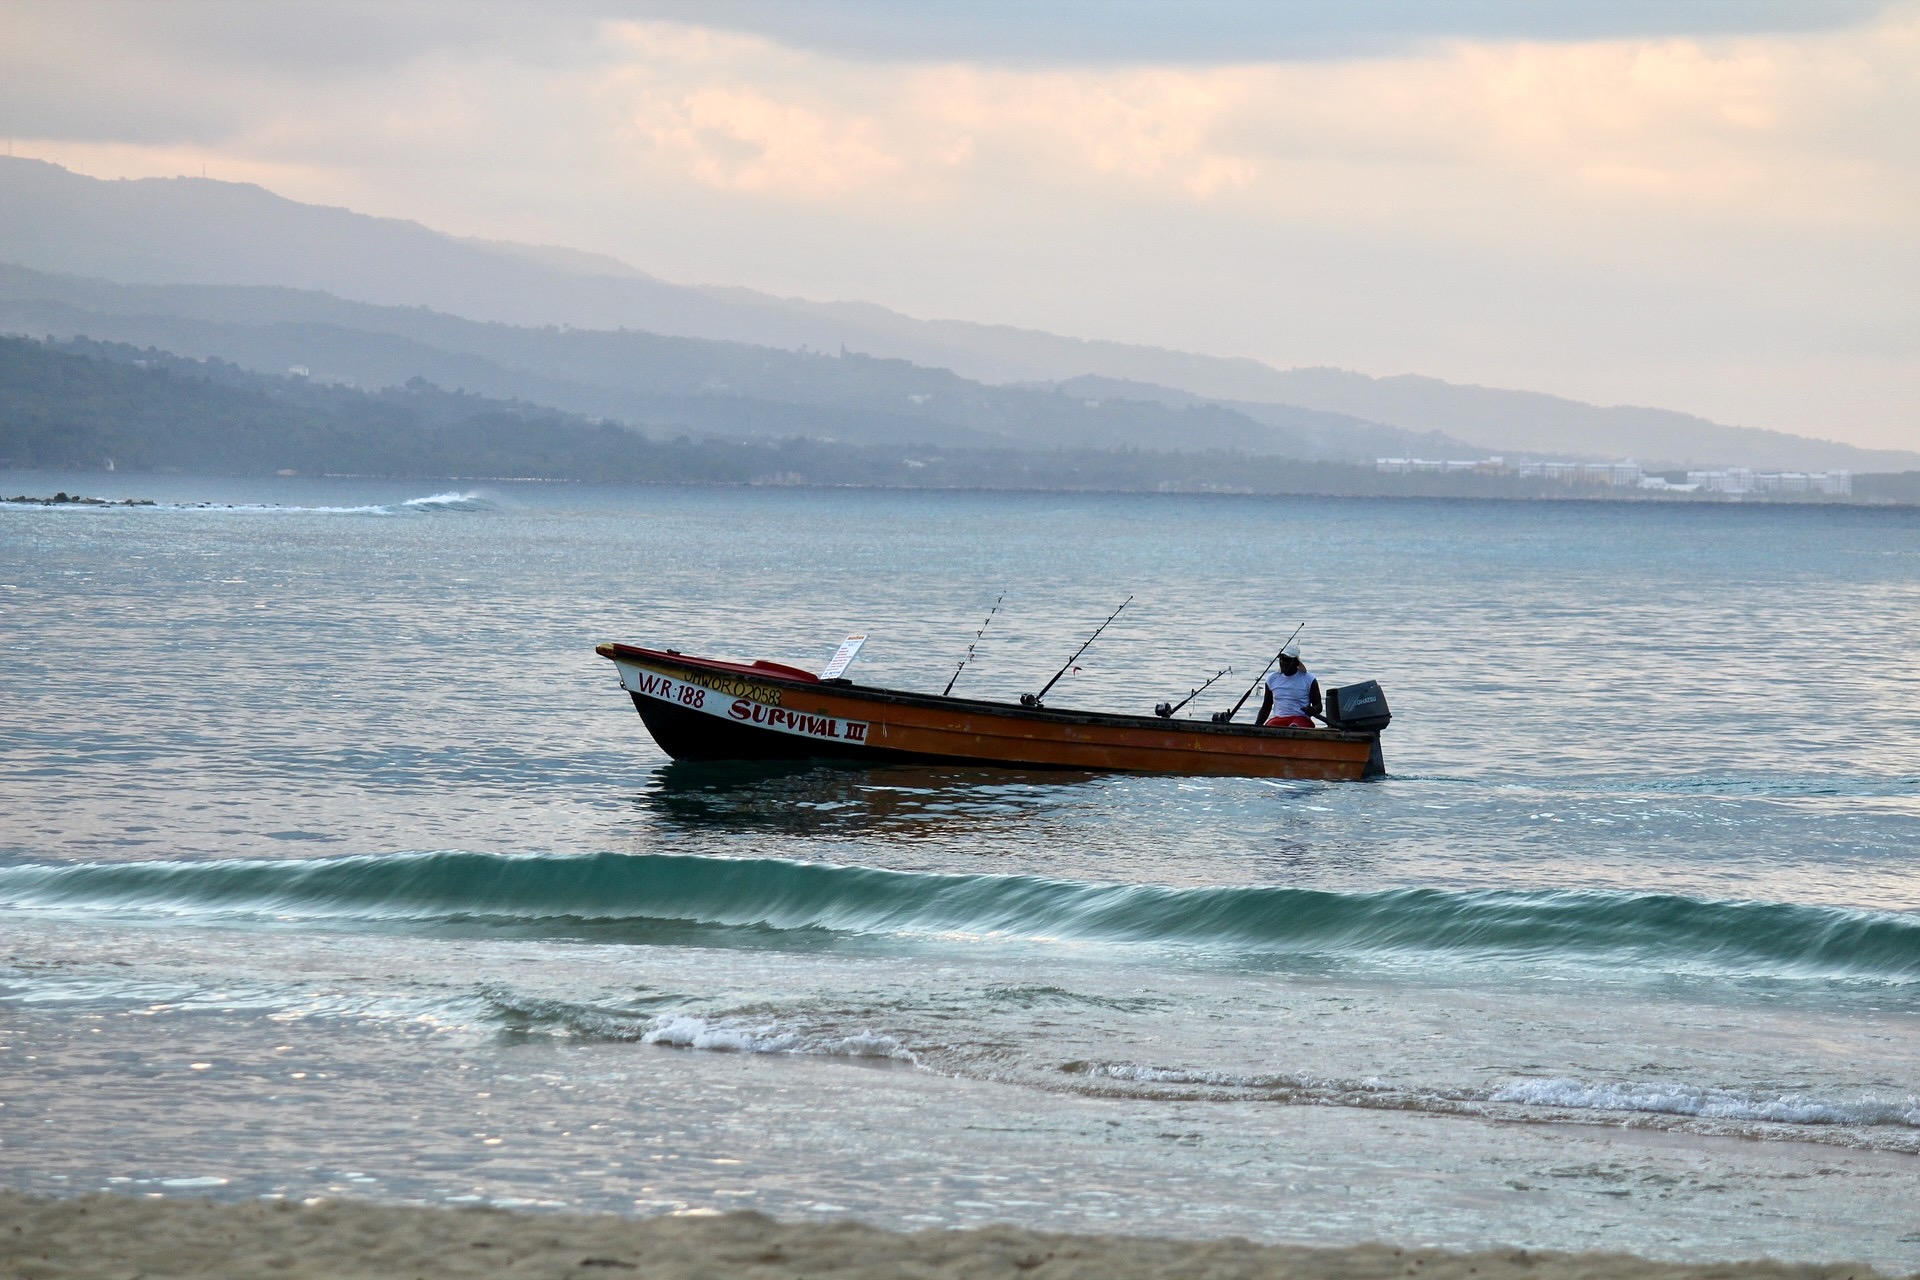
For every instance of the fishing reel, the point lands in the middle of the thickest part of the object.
(1222, 717)
(1165, 710)
(1029, 700)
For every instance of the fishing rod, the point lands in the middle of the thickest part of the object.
(1224, 717)
(1165, 712)
(1033, 699)
(976, 640)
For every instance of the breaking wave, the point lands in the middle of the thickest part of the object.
(780, 903)
(1659, 1104)
(682, 1029)
(450, 501)
(1708, 1103)
(431, 504)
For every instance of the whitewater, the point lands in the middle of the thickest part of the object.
(333, 863)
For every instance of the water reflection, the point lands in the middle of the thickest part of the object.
(824, 800)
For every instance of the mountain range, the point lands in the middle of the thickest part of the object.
(665, 386)
(85, 405)
(210, 268)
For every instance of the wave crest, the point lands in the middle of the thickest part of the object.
(1707, 1103)
(681, 1029)
(777, 902)
(431, 504)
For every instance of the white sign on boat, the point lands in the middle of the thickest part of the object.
(843, 657)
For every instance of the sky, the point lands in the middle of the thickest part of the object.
(1710, 206)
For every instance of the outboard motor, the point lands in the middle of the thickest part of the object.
(1358, 708)
(1361, 708)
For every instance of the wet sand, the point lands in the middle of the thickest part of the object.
(113, 1236)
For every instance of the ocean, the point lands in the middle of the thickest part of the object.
(333, 862)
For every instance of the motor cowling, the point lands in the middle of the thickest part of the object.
(1358, 708)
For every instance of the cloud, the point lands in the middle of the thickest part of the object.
(1150, 128)
(1759, 129)
(1759, 126)
(734, 137)
(1208, 32)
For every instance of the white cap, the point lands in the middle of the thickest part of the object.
(1292, 650)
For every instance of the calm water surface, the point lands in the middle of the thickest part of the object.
(333, 861)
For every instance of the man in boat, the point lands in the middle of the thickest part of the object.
(1291, 699)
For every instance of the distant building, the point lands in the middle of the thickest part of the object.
(1412, 466)
(1630, 475)
(1744, 480)
(1730, 480)
(1618, 474)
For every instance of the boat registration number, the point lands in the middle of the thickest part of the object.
(697, 697)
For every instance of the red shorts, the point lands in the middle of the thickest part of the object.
(1290, 722)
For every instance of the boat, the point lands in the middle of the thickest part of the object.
(712, 710)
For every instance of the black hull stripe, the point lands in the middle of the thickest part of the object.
(689, 735)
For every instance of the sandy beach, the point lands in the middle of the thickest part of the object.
(113, 1236)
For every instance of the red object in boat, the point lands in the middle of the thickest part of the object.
(707, 709)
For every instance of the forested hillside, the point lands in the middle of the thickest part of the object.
(83, 405)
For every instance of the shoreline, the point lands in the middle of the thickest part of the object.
(99, 1235)
(1579, 499)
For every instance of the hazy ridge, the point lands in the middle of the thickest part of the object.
(663, 385)
(86, 405)
(281, 263)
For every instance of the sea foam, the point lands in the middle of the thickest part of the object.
(1708, 1103)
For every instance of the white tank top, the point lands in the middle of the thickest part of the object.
(1290, 693)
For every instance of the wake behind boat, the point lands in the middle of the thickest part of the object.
(709, 709)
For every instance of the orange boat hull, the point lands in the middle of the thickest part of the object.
(704, 709)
